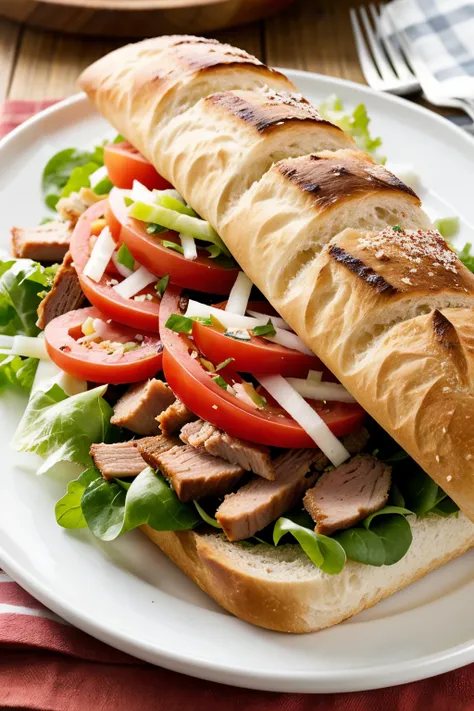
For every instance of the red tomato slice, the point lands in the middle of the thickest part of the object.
(125, 164)
(138, 314)
(95, 364)
(255, 356)
(192, 384)
(201, 274)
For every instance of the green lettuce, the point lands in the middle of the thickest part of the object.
(466, 257)
(17, 371)
(110, 509)
(23, 283)
(60, 428)
(356, 124)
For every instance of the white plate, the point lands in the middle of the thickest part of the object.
(126, 593)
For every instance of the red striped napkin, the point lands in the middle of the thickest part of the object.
(47, 664)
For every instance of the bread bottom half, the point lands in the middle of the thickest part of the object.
(280, 589)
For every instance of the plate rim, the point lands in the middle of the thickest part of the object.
(327, 681)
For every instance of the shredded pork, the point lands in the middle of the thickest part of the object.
(117, 460)
(65, 295)
(138, 408)
(46, 243)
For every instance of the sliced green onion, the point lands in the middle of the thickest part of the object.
(219, 380)
(172, 204)
(207, 365)
(193, 226)
(172, 245)
(224, 363)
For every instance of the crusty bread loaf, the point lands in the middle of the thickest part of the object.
(350, 307)
(389, 312)
(279, 588)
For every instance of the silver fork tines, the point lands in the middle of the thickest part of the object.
(383, 63)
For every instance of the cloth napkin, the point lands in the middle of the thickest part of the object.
(48, 665)
(441, 34)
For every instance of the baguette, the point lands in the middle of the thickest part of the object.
(390, 312)
(280, 589)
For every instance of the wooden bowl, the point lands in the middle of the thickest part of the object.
(138, 18)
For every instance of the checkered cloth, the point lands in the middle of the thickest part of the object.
(441, 34)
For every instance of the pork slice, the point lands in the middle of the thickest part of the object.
(344, 496)
(249, 456)
(151, 447)
(175, 417)
(260, 502)
(65, 295)
(194, 475)
(46, 243)
(117, 460)
(138, 407)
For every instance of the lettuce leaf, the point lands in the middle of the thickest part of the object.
(60, 428)
(326, 553)
(68, 509)
(111, 510)
(466, 257)
(17, 371)
(22, 286)
(356, 124)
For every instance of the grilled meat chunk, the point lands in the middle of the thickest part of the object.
(175, 417)
(260, 502)
(344, 496)
(117, 460)
(195, 475)
(151, 447)
(46, 243)
(138, 407)
(250, 456)
(65, 295)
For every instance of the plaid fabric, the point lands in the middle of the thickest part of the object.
(441, 33)
(48, 665)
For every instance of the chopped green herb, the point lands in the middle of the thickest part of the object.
(220, 381)
(224, 363)
(267, 330)
(161, 285)
(397, 228)
(179, 324)
(256, 398)
(119, 139)
(128, 201)
(151, 228)
(207, 365)
(124, 257)
(173, 245)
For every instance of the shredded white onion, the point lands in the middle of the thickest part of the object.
(135, 283)
(100, 255)
(241, 394)
(277, 321)
(139, 193)
(48, 374)
(320, 391)
(228, 319)
(239, 295)
(98, 175)
(289, 340)
(315, 375)
(189, 246)
(306, 417)
(121, 268)
(28, 347)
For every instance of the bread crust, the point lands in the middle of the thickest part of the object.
(230, 574)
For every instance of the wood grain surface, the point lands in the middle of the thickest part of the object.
(310, 34)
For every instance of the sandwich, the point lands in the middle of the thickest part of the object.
(308, 449)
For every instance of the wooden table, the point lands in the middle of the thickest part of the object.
(311, 34)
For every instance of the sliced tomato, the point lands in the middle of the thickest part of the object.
(95, 363)
(125, 164)
(255, 356)
(139, 314)
(196, 389)
(201, 274)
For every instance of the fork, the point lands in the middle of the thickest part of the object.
(389, 65)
